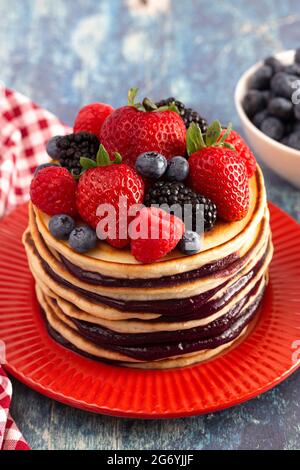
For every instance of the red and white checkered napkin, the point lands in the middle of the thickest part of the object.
(24, 131)
(10, 436)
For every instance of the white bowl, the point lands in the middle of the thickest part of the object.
(282, 159)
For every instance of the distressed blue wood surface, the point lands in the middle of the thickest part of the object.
(65, 53)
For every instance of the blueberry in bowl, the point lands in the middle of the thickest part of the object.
(267, 99)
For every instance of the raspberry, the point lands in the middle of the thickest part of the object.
(159, 233)
(91, 117)
(53, 191)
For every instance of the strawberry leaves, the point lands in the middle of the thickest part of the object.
(194, 139)
(213, 133)
(102, 159)
(213, 138)
(87, 163)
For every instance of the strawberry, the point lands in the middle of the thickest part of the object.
(217, 171)
(53, 191)
(243, 151)
(133, 130)
(104, 182)
(157, 233)
(91, 117)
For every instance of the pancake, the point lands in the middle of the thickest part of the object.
(179, 290)
(83, 296)
(70, 338)
(58, 266)
(176, 312)
(224, 239)
(129, 333)
(145, 326)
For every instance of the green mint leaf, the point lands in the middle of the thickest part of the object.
(213, 133)
(228, 145)
(194, 139)
(103, 157)
(118, 158)
(226, 134)
(132, 95)
(87, 163)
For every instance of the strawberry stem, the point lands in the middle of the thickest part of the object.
(132, 92)
(148, 105)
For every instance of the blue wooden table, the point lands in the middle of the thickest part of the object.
(64, 53)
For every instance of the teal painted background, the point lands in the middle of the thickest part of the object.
(64, 53)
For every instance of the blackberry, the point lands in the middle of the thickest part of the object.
(188, 114)
(170, 193)
(72, 147)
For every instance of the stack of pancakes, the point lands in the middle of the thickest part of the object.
(172, 313)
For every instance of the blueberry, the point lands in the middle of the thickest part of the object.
(294, 140)
(273, 128)
(285, 140)
(43, 165)
(151, 165)
(297, 111)
(260, 80)
(61, 226)
(82, 239)
(51, 146)
(253, 102)
(293, 69)
(267, 95)
(289, 127)
(178, 169)
(296, 126)
(297, 56)
(280, 107)
(282, 84)
(274, 63)
(260, 117)
(190, 243)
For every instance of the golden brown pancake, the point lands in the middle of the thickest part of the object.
(240, 253)
(224, 239)
(185, 289)
(61, 325)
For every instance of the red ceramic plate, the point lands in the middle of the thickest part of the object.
(265, 358)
